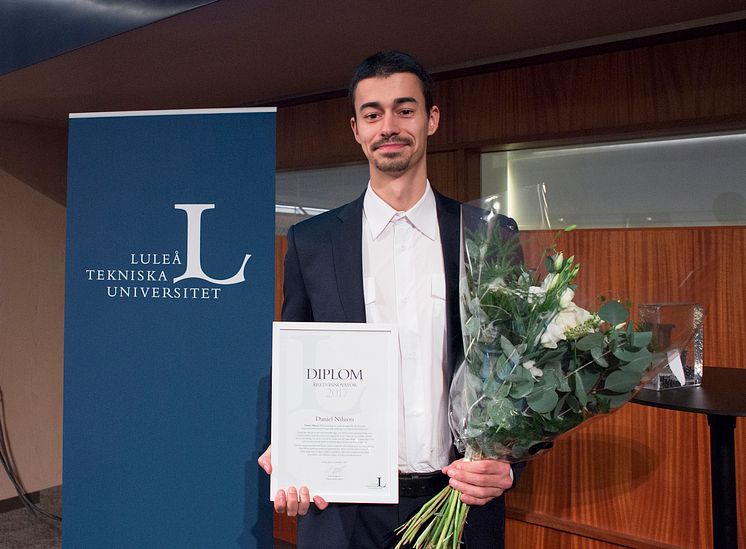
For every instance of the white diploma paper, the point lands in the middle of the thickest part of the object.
(335, 389)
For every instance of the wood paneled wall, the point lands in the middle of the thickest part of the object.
(639, 478)
(697, 84)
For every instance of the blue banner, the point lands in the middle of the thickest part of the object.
(169, 302)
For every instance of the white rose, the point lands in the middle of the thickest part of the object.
(567, 319)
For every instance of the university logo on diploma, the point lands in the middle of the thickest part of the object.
(335, 402)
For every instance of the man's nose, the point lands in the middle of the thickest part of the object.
(390, 125)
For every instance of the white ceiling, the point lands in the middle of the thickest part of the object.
(244, 52)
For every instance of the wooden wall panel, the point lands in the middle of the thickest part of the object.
(520, 534)
(693, 85)
(651, 88)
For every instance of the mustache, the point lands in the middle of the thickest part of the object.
(390, 141)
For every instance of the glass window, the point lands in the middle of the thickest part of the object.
(692, 181)
(303, 193)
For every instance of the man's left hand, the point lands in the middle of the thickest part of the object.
(479, 481)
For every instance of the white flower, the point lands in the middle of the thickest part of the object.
(498, 284)
(558, 261)
(566, 298)
(533, 370)
(567, 319)
(536, 294)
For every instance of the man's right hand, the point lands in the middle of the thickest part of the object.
(290, 501)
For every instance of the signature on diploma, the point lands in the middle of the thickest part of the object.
(335, 472)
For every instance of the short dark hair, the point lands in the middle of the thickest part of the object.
(386, 63)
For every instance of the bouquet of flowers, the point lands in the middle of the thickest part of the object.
(536, 364)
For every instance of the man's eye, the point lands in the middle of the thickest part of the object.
(406, 112)
(371, 116)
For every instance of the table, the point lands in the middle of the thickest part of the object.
(722, 397)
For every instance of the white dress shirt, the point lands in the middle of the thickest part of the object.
(404, 284)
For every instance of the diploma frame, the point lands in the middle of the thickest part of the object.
(335, 402)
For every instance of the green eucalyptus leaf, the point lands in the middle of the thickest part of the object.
(521, 389)
(613, 312)
(590, 378)
(591, 341)
(573, 403)
(638, 365)
(542, 401)
(598, 357)
(506, 370)
(580, 391)
(508, 348)
(621, 381)
(641, 339)
(628, 356)
(471, 327)
(500, 411)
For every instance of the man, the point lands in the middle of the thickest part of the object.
(392, 256)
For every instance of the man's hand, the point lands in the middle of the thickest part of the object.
(290, 501)
(479, 481)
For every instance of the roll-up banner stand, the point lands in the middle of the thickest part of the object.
(169, 302)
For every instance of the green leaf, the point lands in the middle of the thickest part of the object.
(639, 365)
(472, 249)
(508, 348)
(580, 391)
(591, 341)
(500, 411)
(521, 389)
(589, 378)
(628, 356)
(641, 339)
(504, 371)
(621, 381)
(542, 402)
(613, 312)
(573, 403)
(471, 327)
(598, 357)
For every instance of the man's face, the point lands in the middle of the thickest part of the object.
(391, 122)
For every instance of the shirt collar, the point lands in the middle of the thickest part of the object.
(423, 215)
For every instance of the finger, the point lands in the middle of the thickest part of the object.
(320, 502)
(502, 481)
(292, 507)
(280, 501)
(265, 460)
(305, 501)
(476, 491)
(474, 501)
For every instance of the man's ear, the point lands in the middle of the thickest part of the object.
(353, 125)
(433, 120)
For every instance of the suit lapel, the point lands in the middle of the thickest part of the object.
(449, 222)
(348, 260)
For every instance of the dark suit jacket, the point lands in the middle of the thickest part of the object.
(323, 282)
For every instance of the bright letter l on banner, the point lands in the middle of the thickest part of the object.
(169, 303)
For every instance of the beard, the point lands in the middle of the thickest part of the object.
(392, 163)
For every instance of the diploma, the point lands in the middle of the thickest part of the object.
(335, 390)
